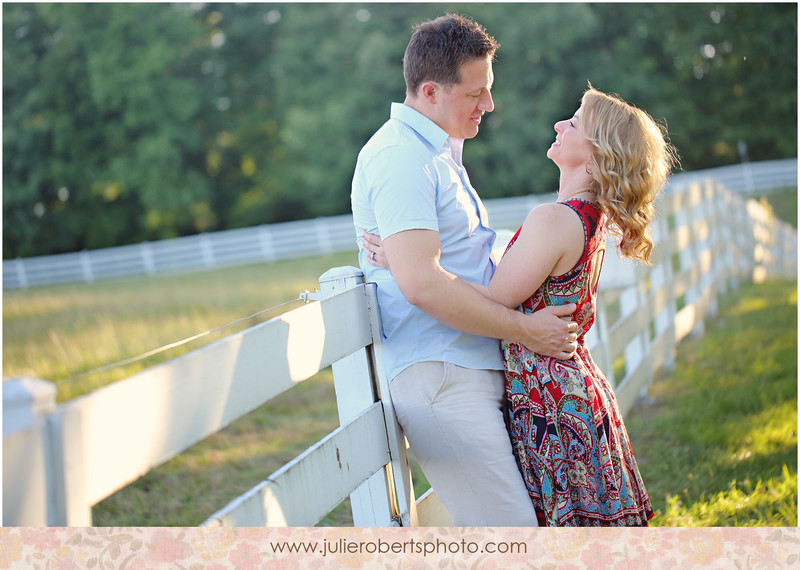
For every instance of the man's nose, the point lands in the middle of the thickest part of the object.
(487, 103)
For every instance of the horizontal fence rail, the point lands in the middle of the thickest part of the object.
(289, 240)
(58, 461)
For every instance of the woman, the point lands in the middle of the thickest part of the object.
(566, 428)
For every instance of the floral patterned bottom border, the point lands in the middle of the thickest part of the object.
(409, 548)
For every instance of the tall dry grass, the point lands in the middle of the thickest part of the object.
(60, 332)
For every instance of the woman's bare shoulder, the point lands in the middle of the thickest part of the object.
(552, 215)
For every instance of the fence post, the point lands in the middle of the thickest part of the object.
(371, 502)
(717, 245)
(26, 399)
(630, 304)
(147, 258)
(67, 432)
(744, 242)
(787, 252)
(265, 241)
(661, 279)
(86, 266)
(705, 243)
(600, 331)
(206, 250)
(399, 471)
(323, 235)
(19, 266)
(646, 319)
(28, 476)
(692, 260)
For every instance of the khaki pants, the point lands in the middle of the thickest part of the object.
(453, 420)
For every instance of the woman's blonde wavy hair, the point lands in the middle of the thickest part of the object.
(631, 160)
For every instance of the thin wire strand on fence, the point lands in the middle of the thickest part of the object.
(306, 296)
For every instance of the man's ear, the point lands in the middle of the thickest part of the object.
(429, 91)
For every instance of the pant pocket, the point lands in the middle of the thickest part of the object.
(432, 377)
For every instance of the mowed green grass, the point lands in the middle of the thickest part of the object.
(717, 447)
(717, 441)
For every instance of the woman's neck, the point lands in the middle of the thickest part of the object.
(576, 183)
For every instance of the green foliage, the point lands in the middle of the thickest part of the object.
(717, 73)
(130, 122)
(537, 82)
(97, 148)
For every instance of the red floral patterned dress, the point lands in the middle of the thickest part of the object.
(566, 428)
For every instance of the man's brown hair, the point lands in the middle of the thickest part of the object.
(439, 47)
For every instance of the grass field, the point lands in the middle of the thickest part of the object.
(716, 440)
(60, 332)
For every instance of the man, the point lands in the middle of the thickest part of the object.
(440, 335)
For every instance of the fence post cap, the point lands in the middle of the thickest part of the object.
(337, 273)
(24, 399)
(339, 279)
(27, 388)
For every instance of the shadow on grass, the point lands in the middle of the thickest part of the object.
(717, 445)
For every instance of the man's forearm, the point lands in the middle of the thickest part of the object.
(414, 257)
(461, 306)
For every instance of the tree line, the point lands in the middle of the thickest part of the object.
(137, 121)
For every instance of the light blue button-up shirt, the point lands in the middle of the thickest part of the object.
(409, 176)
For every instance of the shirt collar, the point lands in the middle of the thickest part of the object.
(428, 130)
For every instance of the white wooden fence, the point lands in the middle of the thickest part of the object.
(305, 237)
(58, 461)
